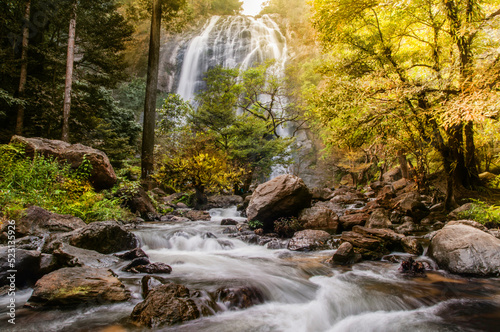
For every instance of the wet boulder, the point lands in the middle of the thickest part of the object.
(466, 250)
(77, 286)
(319, 218)
(345, 254)
(167, 304)
(308, 240)
(37, 221)
(239, 298)
(143, 265)
(25, 262)
(150, 282)
(132, 254)
(105, 237)
(102, 174)
(283, 196)
(228, 222)
(69, 256)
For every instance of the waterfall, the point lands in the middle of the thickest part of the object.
(230, 41)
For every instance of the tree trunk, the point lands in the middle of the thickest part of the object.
(470, 154)
(69, 73)
(200, 198)
(24, 68)
(403, 164)
(148, 133)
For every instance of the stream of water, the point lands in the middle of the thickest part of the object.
(301, 292)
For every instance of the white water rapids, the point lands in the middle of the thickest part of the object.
(301, 292)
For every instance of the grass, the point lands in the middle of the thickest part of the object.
(483, 213)
(46, 183)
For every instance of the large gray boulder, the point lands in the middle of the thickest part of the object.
(283, 196)
(37, 221)
(463, 249)
(77, 286)
(105, 237)
(102, 175)
(26, 263)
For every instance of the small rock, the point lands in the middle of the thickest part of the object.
(412, 246)
(240, 298)
(415, 268)
(455, 214)
(228, 222)
(379, 219)
(308, 239)
(132, 254)
(345, 255)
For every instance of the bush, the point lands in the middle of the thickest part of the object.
(488, 215)
(46, 183)
(255, 224)
(286, 227)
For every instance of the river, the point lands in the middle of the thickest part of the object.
(301, 292)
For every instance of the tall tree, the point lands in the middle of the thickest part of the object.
(24, 68)
(170, 10)
(70, 59)
(148, 133)
(413, 66)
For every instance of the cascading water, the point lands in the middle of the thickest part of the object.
(230, 41)
(300, 292)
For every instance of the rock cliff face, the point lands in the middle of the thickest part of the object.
(463, 249)
(283, 196)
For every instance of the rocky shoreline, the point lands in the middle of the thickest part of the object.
(67, 262)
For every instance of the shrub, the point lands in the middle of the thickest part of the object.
(286, 227)
(488, 215)
(46, 183)
(255, 224)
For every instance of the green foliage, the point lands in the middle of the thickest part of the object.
(172, 115)
(414, 75)
(102, 32)
(483, 213)
(196, 164)
(255, 224)
(250, 139)
(44, 182)
(286, 227)
(186, 198)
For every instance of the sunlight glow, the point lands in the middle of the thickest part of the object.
(252, 7)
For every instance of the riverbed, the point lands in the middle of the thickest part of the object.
(301, 292)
